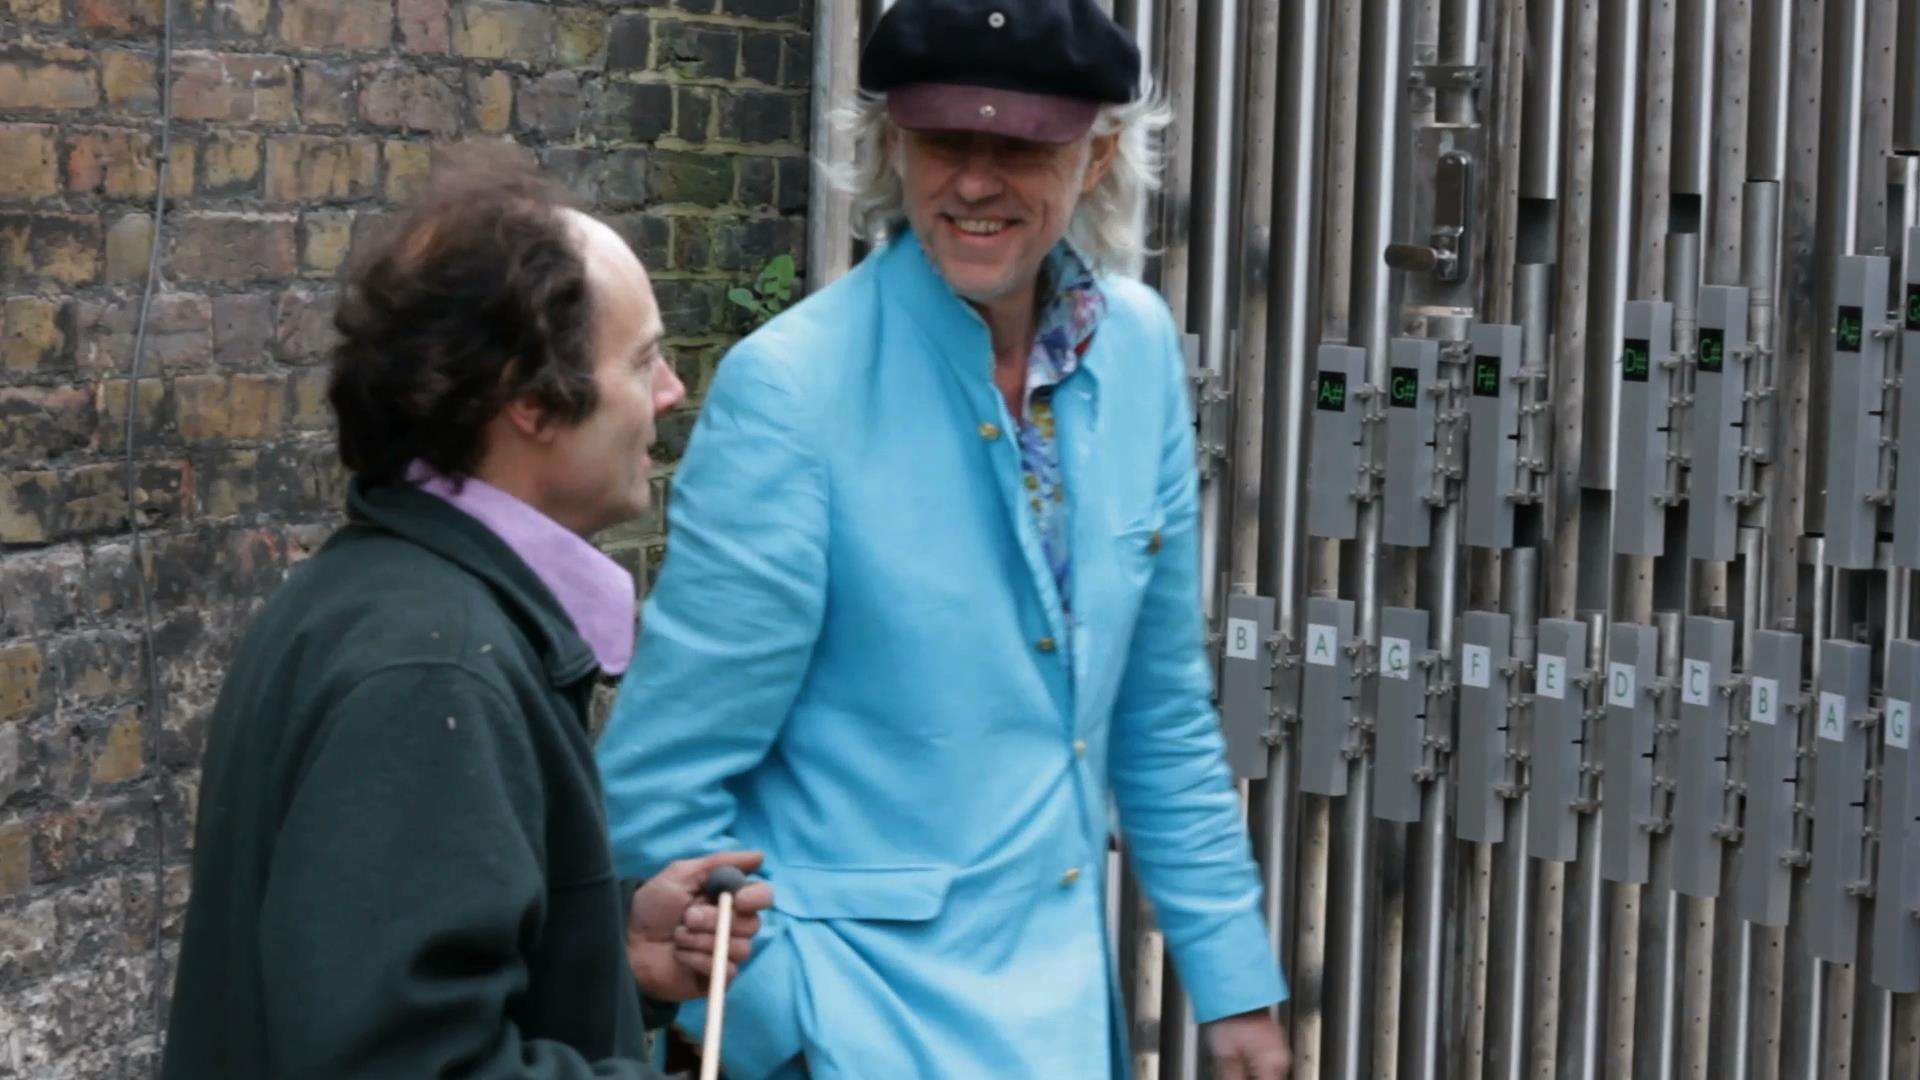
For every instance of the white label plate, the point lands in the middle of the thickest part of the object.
(1833, 716)
(1696, 687)
(1396, 658)
(1243, 639)
(1323, 645)
(1763, 701)
(1899, 723)
(1550, 678)
(1621, 679)
(1476, 666)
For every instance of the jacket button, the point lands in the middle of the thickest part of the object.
(1153, 543)
(1072, 875)
(989, 432)
(1079, 748)
(1046, 644)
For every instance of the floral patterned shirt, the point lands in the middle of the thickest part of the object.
(1065, 330)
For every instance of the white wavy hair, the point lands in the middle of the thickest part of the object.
(1109, 225)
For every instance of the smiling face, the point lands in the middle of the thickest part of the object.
(988, 208)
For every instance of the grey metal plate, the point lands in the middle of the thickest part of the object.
(1493, 429)
(1400, 729)
(1480, 743)
(1327, 692)
(1626, 804)
(1715, 428)
(1699, 797)
(1559, 720)
(1412, 377)
(1839, 801)
(1246, 684)
(1769, 723)
(1639, 515)
(1338, 458)
(1906, 504)
(1895, 954)
(1855, 378)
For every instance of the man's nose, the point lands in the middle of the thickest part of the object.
(979, 178)
(668, 390)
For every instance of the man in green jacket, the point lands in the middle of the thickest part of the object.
(401, 867)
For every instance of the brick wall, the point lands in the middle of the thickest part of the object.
(297, 123)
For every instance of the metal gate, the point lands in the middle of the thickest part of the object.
(1548, 368)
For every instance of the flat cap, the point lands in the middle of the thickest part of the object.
(1036, 69)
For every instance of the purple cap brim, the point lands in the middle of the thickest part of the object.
(1013, 113)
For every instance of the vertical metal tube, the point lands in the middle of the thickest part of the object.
(1540, 141)
(1657, 1011)
(1215, 246)
(1509, 925)
(1906, 78)
(1586, 954)
(836, 36)
(1616, 122)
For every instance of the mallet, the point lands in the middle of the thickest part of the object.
(721, 885)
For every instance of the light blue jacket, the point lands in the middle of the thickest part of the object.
(855, 659)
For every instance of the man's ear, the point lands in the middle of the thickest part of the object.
(529, 419)
(1103, 150)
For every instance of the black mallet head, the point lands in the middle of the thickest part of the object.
(726, 879)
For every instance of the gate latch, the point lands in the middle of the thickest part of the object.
(1444, 255)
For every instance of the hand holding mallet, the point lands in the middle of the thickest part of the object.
(721, 885)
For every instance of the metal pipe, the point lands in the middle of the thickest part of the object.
(1657, 1039)
(1906, 76)
(1540, 142)
(1509, 917)
(1585, 965)
(836, 35)
(1616, 118)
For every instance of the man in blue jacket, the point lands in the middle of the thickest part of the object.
(930, 613)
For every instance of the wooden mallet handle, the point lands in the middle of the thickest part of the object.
(721, 884)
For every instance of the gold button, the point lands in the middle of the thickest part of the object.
(1153, 543)
(989, 432)
(1067, 879)
(1080, 748)
(1046, 644)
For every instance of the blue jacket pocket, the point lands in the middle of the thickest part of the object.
(878, 893)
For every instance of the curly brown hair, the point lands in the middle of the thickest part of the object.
(476, 297)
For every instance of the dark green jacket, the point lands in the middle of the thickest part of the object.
(401, 866)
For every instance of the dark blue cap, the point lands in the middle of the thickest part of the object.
(1057, 48)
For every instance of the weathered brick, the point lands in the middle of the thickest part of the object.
(177, 333)
(328, 92)
(304, 325)
(756, 179)
(693, 108)
(318, 168)
(550, 105)
(683, 177)
(233, 162)
(639, 112)
(64, 248)
(307, 408)
(242, 329)
(153, 424)
(242, 18)
(45, 12)
(424, 26)
(32, 336)
(119, 17)
(580, 38)
(89, 836)
(785, 10)
(688, 307)
(630, 43)
(131, 81)
(759, 116)
(324, 236)
(16, 859)
(692, 243)
(40, 423)
(796, 177)
(21, 665)
(28, 167)
(697, 50)
(120, 164)
(504, 30)
(232, 248)
(47, 78)
(796, 61)
(121, 756)
(398, 97)
(233, 88)
(342, 24)
(41, 592)
(129, 248)
(490, 101)
(29, 937)
(242, 406)
(96, 501)
(409, 165)
(760, 56)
